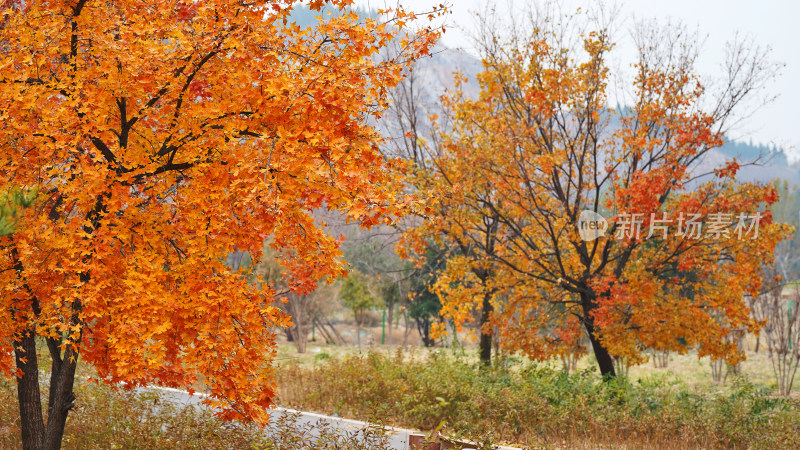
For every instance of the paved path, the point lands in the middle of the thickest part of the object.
(398, 437)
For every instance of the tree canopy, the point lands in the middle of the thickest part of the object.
(518, 173)
(161, 137)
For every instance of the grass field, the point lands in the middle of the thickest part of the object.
(686, 368)
(538, 405)
(518, 402)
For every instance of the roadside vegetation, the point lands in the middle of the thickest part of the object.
(513, 402)
(105, 418)
(541, 405)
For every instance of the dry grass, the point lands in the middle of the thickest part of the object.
(533, 405)
(108, 418)
(539, 406)
(686, 368)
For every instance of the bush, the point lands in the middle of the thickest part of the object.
(105, 418)
(538, 405)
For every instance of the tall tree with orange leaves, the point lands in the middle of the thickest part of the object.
(162, 136)
(541, 152)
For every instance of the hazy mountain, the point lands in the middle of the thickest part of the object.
(434, 74)
(770, 162)
(759, 162)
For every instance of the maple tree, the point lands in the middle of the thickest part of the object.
(465, 283)
(302, 308)
(161, 137)
(441, 236)
(514, 170)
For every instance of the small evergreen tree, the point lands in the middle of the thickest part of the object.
(358, 298)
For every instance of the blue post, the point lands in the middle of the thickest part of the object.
(383, 328)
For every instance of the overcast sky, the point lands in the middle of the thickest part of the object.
(773, 23)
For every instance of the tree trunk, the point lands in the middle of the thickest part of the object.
(604, 360)
(325, 334)
(335, 332)
(62, 374)
(424, 329)
(495, 342)
(358, 333)
(485, 346)
(296, 308)
(300, 337)
(35, 434)
(299, 328)
(456, 341)
(62, 398)
(28, 394)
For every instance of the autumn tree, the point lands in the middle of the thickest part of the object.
(162, 137)
(782, 334)
(303, 308)
(357, 294)
(778, 308)
(541, 150)
(465, 282)
(413, 127)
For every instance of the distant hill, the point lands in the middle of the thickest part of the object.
(303, 16)
(771, 163)
(435, 74)
(759, 162)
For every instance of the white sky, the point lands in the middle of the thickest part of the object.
(773, 23)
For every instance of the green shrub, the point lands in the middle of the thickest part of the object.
(537, 405)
